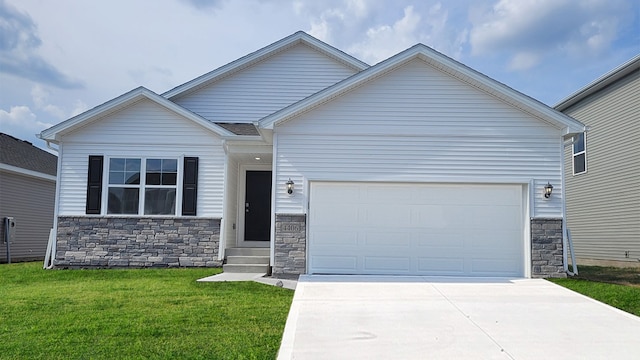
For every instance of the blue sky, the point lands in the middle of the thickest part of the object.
(60, 58)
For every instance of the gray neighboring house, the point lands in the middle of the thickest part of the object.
(27, 193)
(602, 169)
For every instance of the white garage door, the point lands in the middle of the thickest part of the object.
(416, 229)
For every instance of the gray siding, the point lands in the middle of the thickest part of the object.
(603, 204)
(30, 201)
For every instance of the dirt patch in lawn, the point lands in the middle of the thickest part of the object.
(612, 275)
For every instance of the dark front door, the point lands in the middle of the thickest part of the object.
(257, 206)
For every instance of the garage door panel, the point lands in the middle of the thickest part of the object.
(422, 229)
(387, 263)
(440, 239)
(392, 216)
(494, 267)
(385, 238)
(336, 237)
(335, 264)
(441, 266)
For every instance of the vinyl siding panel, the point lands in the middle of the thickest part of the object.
(603, 204)
(416, 124)
(30, 201)
(142, 130)
(266, 87)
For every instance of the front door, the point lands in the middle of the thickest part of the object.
(257, 206)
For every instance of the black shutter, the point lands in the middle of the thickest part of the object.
(94, 184)
(190, 186)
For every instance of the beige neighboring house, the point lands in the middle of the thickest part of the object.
(27, 194)
(602, 169)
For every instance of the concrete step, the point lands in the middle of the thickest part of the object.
(245, 268)
(252, 260)
(247, 252)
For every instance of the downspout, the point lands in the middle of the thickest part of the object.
(50, 255)
(222, 245)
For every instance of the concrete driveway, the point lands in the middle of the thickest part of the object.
(376, 317)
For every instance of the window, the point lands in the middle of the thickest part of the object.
(155, 192)
(142, 186)
(579, 154)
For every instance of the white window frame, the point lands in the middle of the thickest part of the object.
(142, 186)
(575, 154)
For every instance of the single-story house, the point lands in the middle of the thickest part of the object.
(418, 165)
(27, 195)
(602, 169)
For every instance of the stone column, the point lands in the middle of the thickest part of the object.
(290, 246)
(546, 248)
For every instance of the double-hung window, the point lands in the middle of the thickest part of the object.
(151, 194)
(142, 186)
(579, 154)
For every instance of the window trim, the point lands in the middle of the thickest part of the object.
(142, 186)
(576, 154)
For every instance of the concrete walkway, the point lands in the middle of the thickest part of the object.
(257, 277)
(374, 317)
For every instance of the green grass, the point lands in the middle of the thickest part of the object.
(136, 314)
(618, 287)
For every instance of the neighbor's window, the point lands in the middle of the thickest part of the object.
(152, 194)
(579, 154)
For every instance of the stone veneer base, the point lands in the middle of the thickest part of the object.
(547, 258)
(87, 241)
(290, 246)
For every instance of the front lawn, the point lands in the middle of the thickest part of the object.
(618, 287)
(137, 313)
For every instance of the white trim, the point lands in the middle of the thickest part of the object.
(242, 183)
(260, 55)
(527, 206)
(27, 172)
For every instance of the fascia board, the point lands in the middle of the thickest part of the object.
(261, 54)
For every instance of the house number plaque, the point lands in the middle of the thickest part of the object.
(290, 227)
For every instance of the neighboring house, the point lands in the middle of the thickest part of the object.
(602, 169)
(418, 165)
(27, 194)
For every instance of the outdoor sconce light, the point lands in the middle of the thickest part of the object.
(548, 189)
(290, 186)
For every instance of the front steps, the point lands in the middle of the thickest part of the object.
(246, 260)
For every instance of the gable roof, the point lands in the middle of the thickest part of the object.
(24, 155)
(299, 37)
(53, 133)
(600, 83)
(442, 63)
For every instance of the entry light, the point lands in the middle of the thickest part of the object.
(548, 189)
(290, 184)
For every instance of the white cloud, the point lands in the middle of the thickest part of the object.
(531, 30)
(40, 98)
(386, 40)
(21, 117)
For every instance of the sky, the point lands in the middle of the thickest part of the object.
(60, 58)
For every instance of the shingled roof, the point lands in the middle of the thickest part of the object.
(23, 154)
